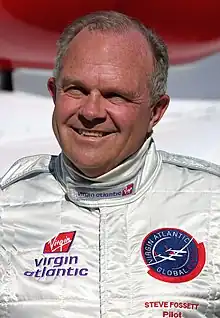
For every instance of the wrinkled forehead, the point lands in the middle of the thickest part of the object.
(109, 55)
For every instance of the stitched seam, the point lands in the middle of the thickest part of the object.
(209, 306)
(129, 265)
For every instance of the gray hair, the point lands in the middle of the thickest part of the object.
(118, 22)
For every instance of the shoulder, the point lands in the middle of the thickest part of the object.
(190, 169)
(27, 167)
(190, 163)
(187, 174)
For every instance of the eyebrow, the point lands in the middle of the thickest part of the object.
(68, 81)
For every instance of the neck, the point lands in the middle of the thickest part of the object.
(113, 187)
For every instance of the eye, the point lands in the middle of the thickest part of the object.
(76, 91)
(115, 98)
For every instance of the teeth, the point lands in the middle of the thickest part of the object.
(90, 133)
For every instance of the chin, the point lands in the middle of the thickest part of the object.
(91, 172)
(92, 168)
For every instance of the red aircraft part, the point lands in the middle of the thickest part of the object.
(29, 29)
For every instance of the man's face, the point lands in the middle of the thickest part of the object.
(102, 109)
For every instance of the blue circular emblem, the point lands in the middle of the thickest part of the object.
(172, 255)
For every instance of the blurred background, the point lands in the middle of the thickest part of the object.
(28, 34)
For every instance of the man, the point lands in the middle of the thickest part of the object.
(111, 227)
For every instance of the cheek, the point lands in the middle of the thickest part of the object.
(133, 119)
(139, 124)
(64, 109)
(124, 116)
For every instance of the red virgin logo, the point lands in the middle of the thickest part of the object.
(128, 189)
(60, 243)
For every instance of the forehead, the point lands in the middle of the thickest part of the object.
(101, 57)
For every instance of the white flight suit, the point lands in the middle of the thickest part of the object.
(142, 240)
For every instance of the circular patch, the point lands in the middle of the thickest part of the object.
(172, 255)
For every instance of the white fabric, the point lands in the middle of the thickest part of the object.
(172, 207)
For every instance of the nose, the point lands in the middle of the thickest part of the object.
(93, 109)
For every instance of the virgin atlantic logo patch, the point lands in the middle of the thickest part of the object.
(60, 263)
(128, 189)
(173, 255)
(60, 243)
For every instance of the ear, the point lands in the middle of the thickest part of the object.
(158, 110)
(51, 86)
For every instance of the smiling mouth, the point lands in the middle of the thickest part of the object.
(91, 133)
